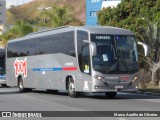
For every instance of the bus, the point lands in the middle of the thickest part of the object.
(76, 59)
(2, 67)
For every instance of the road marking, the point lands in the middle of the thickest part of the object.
(121, 119)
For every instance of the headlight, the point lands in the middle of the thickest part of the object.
(134, 79)
(99, 77)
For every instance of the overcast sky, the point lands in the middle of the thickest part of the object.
(16, 2)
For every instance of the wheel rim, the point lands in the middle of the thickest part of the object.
(71, 88)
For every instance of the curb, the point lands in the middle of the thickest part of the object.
(148, 93)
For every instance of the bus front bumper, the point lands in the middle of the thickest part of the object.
(119, 87)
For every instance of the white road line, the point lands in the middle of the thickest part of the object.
(121, 119)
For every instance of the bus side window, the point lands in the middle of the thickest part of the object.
(85, 60)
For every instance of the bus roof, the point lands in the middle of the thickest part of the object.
(106, 30)
(91, 29)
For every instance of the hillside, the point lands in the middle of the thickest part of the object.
(30, 12)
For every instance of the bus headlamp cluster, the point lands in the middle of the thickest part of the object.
(99, 77)
(134, 79)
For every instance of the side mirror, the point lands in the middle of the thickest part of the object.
(93, 47)
(146, 48)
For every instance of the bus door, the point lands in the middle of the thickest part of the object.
(85, 66)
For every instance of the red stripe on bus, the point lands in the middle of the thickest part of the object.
(69, 68)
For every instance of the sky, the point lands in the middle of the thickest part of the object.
(15, 2)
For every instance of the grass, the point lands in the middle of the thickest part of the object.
(150, 88)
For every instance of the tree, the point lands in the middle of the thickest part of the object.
(20, 29)
(141, 17)
(5, 37)
(10, 18)
(58, 16)
(153, 36)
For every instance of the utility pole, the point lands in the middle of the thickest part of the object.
(43, 9)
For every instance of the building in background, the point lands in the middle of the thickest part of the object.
(93, 6)
(2, 14)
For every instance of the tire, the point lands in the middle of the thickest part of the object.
(71, 89)
(21, 86)
(111, 94)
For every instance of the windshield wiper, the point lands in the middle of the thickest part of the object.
(125, 66)
(119, 58)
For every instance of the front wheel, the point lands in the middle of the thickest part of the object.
(71, 89)
(111, 94)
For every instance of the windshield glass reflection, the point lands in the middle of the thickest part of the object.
(115, 54)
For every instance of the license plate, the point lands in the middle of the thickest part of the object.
(118, 86)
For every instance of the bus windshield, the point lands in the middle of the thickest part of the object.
(116, 54)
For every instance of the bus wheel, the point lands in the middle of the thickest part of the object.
(71, 89)
(21, 86)
(111, 94)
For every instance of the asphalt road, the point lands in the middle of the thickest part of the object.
(12, 100)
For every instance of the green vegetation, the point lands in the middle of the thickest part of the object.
(150, 88)
(30, 12)
(135, 15)
(58, 16)
(27, 18)
(20, 29)
(143, 18)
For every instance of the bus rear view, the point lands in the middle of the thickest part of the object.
(76, 59)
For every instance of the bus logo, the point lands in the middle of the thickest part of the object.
(20, 67)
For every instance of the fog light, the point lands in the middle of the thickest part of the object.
(134, 79)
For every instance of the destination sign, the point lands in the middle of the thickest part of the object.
(103, 37)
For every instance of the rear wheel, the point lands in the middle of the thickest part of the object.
(71, 88)
(21, 86)
(111, 94)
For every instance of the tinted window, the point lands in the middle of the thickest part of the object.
(32, 47)
(17, 49)
(57, 43)
(67, 44)
(21, 48)
(10, 50)
(85, 60)
(81, 35)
